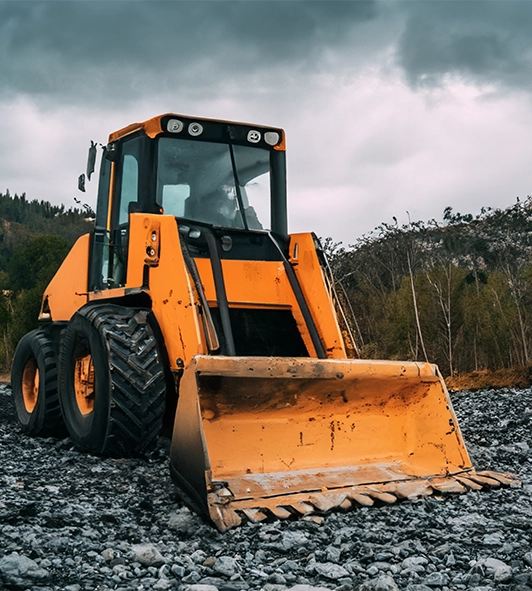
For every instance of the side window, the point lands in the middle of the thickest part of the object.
(129, 183)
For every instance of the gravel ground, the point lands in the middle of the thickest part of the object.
(75, 522)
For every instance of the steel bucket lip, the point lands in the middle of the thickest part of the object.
(279, 484)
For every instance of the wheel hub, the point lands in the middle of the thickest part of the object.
(30, 385)
(84, 384)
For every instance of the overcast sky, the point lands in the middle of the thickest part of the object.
(389, 106)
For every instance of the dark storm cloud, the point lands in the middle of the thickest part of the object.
(483, 42)
(78, 47)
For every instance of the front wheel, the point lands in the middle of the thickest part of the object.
(34, 386)
(112, 380)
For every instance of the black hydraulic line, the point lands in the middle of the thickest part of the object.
(211, 337)
(303, 306)
(221, 295)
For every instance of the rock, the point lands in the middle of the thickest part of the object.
(385, 583)
(415, 563)
(291, 540)
(528, 558)
(147, 555)
(331, 570)
(192, 577)
(182, 521)
(273, 587)
(20, 571)
(108, 554)
(225, 565)
(178, 570)
(200, 587)
(436, 579)
(307, 588)
(277, 579)
(503, 574)
(495, 539)
(333, 554)
(162, 584)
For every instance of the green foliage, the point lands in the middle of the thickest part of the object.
(35, 262)
(35, 237)
(459, 291)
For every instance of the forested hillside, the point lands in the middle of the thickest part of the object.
(458, 293)
(35, 236)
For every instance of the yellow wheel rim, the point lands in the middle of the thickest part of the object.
(84, 384)
(30, 385)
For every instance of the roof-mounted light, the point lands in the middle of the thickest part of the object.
(271, 138)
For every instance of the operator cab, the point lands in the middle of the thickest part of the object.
(228, 178)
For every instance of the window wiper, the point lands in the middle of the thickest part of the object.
(237, 187)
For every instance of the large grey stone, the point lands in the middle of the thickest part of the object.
(147, 555)
(436, 579)
(19, 570)
(331, 570)
(225, 565)
(415, 563)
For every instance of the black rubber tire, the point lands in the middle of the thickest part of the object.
(128, 399)
(43, 416)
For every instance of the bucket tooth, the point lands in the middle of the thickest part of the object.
(255, 515)
(224, 517)
(361, 499)
(318, 519)
(506, 479)
(302, 508)
(447, 485)
(280, 512)
(471, 484)
(409, 489)
(379, 495)
(327, 502)
(345, 505)
(484, 480)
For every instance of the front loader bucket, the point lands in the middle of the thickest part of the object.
(259, 436)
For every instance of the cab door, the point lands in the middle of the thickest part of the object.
(118, 188)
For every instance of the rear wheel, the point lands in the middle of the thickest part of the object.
(112, 380)
(34, 385)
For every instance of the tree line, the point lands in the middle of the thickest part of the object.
(35, 237)
(457, 293)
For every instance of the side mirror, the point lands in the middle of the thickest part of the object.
(81, 182)
(91, 160)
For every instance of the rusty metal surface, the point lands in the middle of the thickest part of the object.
(277, 437)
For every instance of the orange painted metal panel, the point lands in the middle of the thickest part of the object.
(67, 291)
(308, 270)
(174, 301)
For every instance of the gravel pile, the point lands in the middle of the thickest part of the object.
(74, 522)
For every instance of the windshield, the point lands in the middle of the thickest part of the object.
(197, 181)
